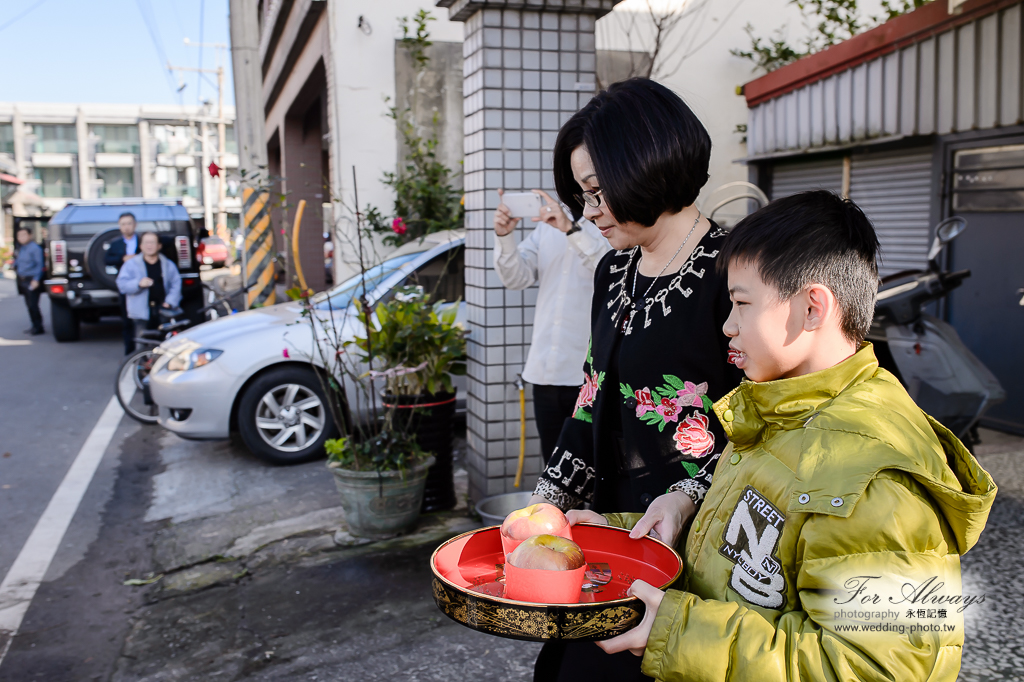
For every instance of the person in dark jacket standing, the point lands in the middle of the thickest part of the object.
(29, 267)
(117, 255)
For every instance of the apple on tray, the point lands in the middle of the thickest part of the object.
(536, 519)
(545, 569)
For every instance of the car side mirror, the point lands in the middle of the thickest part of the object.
(946, 231)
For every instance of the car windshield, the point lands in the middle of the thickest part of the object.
(340, 297)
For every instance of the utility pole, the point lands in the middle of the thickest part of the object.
(243, 20)
(248, 77)
(222, 216)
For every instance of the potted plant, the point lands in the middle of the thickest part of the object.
(420, 347)
(396, 379)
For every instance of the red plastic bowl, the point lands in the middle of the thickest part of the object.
(469, 586)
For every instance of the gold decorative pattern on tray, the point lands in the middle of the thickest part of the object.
(598, 621)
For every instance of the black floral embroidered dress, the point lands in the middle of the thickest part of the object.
(643, 419)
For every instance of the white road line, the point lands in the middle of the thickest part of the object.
(29, 569)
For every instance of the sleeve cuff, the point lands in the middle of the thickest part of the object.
(506, 243)
(693, 489)
(556, 496)
(624, 520)
(672, 607)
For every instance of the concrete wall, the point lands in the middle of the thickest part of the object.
(437, 89)
(361, 77)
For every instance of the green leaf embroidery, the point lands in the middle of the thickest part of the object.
(652, 418)
(583, 416)
(627, 390)
(600, 380)
(674, 382)
(665, 392)
(707, 403)
(691, 468)
(661, 425)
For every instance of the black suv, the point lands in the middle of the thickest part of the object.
(82, 287)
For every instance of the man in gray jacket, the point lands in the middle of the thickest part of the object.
(28, 265)
(149, 282)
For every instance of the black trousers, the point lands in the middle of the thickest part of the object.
(127, 328)
(584, 661)
(32, 302)
(552, 405)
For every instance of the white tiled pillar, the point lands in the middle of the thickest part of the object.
(528, 66)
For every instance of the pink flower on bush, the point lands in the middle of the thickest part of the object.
(398, 225)
(692, 394)
(692, 436)
(588, 392)
(644, 402)
(669, 409)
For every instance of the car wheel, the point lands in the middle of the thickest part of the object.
(284, 416)
(63, 321)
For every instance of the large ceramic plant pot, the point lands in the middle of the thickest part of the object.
(429, 418)
(380, 505)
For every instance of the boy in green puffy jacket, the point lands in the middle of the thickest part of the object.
(828, 547)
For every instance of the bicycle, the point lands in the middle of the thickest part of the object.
(132, 383)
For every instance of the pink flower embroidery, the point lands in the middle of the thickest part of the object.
(692, 394)
(669, 409)
(398, 225)
(588, 391)
(644, 402)
(692, 436)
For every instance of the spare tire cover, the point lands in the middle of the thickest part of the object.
(94, 259)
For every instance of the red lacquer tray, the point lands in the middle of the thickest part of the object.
(469, 587)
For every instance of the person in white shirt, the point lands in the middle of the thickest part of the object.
(560, 256)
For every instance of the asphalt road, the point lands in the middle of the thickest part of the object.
(53, 394)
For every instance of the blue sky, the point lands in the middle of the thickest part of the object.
(102, 50)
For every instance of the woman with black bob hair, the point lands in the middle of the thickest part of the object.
(642, 438)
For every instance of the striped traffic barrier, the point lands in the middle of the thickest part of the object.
(259, 249)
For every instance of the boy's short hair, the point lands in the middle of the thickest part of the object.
(127, 214)
(813, 237)
(650, 151)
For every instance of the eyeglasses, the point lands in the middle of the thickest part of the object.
(592, 199)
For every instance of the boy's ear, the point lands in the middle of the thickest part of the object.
(821, 303)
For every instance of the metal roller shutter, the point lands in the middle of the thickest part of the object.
(800, 176)
(894, 190)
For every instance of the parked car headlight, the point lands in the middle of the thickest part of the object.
(185, 360)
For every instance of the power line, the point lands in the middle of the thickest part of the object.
(23, 14)
(145, 10)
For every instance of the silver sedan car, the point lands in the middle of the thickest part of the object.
(252, 372)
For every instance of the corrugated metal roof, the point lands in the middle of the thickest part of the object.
(966, 78)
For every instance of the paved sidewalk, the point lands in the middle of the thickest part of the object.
(994, 647)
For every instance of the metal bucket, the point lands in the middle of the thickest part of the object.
(494, 509)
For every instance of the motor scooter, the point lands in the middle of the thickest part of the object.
(926, 354)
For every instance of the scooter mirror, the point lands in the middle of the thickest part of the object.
(946, 231)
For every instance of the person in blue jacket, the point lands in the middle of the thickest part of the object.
(149, 281)
(28, 264)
